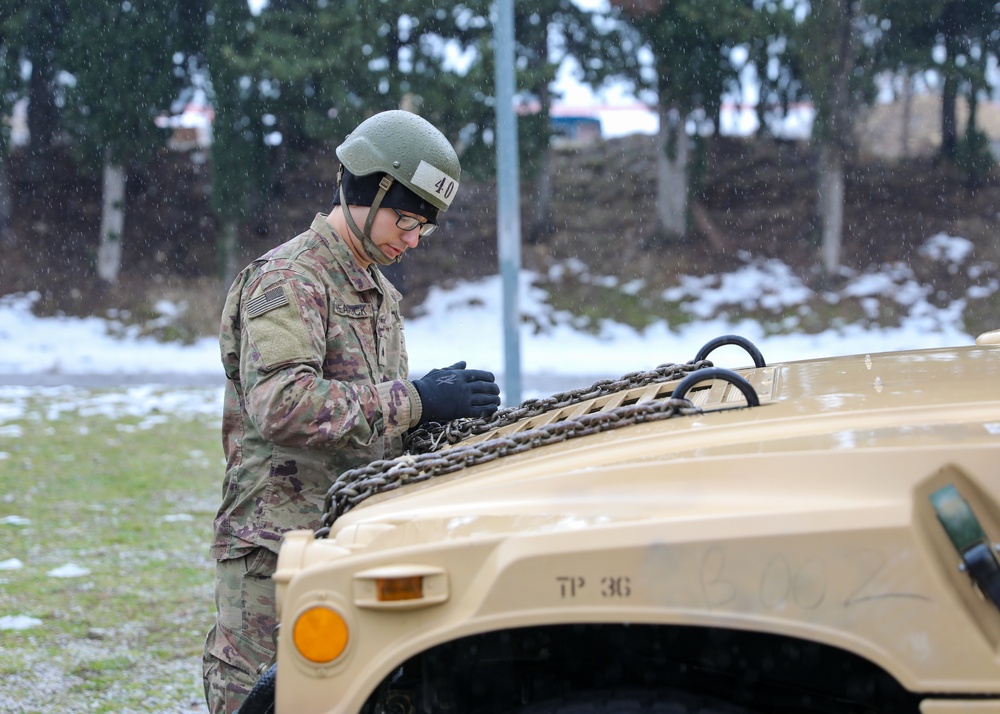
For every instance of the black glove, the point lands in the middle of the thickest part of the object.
(455, 392)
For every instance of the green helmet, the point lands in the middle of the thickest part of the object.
(410, 149)
(406, 148)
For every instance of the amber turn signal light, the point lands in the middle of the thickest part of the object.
(400, 587)
(320, 634)
(394, 589)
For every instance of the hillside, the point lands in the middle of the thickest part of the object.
(757, 204)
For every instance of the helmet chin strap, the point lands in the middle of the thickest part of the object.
(373, 251)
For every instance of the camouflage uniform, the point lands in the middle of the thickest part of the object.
(313, 349)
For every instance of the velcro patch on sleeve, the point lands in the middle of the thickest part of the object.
(434, 180)
(266, 301)
(285, 336)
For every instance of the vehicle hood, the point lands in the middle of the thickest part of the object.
(835, 435)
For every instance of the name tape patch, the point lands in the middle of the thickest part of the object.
(433, 180)
(348, 310)
(268, 300)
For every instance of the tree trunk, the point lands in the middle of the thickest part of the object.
(970, 121)
(541, 218)
(227, 248)
(109, 252)
(43, 112)
(6, 201)
(672, 177)
(831, 206)
(904, 135)
(836, 139)
(949, 126)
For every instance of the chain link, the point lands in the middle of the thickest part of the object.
(434, 436)
(424, 458)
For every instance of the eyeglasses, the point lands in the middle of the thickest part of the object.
(408, 223)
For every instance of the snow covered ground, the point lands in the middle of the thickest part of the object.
(464, 323)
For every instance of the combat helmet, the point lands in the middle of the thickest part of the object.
(408, 150)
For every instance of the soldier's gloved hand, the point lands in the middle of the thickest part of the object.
(455, 391)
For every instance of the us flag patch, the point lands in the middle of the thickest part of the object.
(270, 299)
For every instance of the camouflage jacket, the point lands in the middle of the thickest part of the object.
(316, 366)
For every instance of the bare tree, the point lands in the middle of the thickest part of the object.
(828, 57)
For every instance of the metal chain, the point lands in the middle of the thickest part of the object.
(422, 461)
(435, 437)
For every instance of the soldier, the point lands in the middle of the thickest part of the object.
(313, 350)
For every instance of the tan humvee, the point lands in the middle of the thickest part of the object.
(830, 550)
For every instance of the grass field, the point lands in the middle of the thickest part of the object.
(106, 505)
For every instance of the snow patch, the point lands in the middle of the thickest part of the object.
(68, 571)
(178, 517)
(944, 247)
(18, 622)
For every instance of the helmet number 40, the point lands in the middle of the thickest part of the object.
(445, 187)
(436, 183)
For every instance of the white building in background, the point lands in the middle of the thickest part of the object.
(734, 120)
(192, 126)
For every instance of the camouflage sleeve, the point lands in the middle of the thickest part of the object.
(286, 325)
(404, 357)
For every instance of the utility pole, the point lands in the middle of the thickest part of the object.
(508, 198)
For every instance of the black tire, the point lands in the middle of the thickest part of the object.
(260, 700)
(629, 701)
